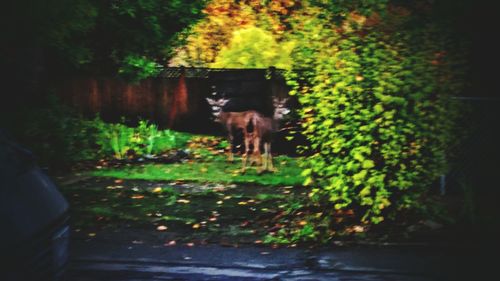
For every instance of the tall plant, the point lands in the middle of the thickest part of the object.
(376, 108)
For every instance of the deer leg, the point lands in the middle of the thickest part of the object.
(265, 156)
(256, 151)
(246, 138)
(269, 157)
(256, 154)
(230, 157)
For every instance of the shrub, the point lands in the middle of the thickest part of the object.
(376, 109)
(121, 141)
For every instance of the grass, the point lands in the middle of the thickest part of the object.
(238, 214)
(213, 170)
(220, 203)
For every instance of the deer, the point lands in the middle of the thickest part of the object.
(232, 121)
(263, 127)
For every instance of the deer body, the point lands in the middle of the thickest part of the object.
(263, 128)
(231, 121)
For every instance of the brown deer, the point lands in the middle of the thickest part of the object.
(231, 121)
(264, 127)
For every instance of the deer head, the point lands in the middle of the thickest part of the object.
(279, 108)
(216, 106)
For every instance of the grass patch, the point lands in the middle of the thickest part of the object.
(238, 214)
(212, 170)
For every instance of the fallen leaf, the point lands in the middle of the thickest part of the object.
(196, 225)
(137, 196)
(91, 234)
(184, 201)
(258, 241)
(302, 223)
(119, 181)
(358, 228)
(242, 203)
(161, 228)
(157, 190)
(219, 202)
(190, 244)
(170, 243)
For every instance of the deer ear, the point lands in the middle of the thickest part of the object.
(210, 101)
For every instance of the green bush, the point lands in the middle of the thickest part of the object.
(58, 136)
(376, 108)
(120, 141)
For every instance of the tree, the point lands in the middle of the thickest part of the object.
(224, 17)
(99, 37)
(254, 48)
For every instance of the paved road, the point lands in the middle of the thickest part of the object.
(97, 259)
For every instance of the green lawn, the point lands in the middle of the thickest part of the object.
(214, 169)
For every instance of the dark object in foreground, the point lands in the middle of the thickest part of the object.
(33, 218)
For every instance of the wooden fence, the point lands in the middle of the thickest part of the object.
(176, 99)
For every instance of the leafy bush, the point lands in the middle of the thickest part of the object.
(136, 68)
(58, 136)
(121, 141)
(376, 109)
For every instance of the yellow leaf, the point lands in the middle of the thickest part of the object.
(196, 225)
(157, 190)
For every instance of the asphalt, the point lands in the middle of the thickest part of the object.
(103, 259)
